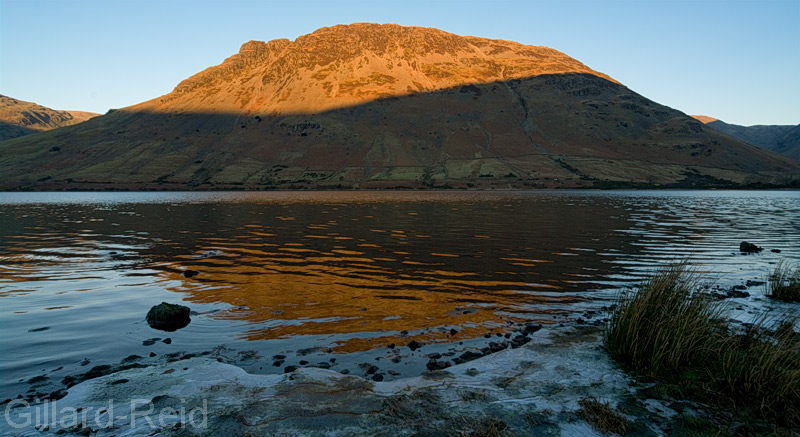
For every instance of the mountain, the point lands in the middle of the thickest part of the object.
(385, 106)
(789, 143)
(19, 118)
(783, 139)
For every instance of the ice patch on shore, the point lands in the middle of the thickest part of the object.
(547, 377)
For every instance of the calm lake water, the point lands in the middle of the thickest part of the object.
(344, 275)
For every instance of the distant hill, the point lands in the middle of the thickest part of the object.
(789, 143)
(19, 118)
(386, 106)
(783, 139)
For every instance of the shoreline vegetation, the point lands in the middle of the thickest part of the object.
(784, 282)
(671, 335)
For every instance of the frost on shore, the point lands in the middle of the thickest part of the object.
(531, 390)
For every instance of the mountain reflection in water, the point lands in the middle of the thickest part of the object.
(323, 268)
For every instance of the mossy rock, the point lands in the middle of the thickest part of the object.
(168, 317)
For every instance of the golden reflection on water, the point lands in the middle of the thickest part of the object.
(317, 297)
(364, 273)
(365, 285)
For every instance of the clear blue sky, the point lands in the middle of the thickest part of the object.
(738, 61)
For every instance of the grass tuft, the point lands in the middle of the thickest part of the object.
(690, 426)
(539, 418)
(473, 395)
(602, 416)
(481, 426)
(784, 282)
(673, 334)
(665, 325)
(763, 366)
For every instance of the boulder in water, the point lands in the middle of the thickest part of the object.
(168, 317)
(746, 247)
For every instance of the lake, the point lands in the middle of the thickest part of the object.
(348, 279)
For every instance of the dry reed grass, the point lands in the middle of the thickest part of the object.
(784, 282)
(666, 330)
(665, 325)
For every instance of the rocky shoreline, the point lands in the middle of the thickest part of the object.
(532, 388)
(539, 388)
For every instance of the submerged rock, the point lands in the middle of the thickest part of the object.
(519, 340)
(168, 317)
(468, 356)
(530, 328)
(736, 293)
(414, 345)
(437, 365)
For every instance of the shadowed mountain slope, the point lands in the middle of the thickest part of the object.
(385, 106)
(783, 139)
(789, 143)
(19, 118)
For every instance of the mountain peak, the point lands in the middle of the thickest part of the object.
(351, 64)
